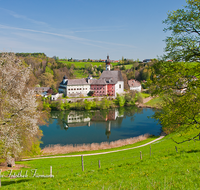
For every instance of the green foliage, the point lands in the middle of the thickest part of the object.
(66, 105)
(54, 89)
(79, 105)
(180, 109)
(48, 70)
(144, 85)
(185, 27)
(59, 105)
(104, 104)
(88, 105)
(46, 106)
(120, 100)
(131, 75)
(31, 54)
(139, 98)
(130, 98)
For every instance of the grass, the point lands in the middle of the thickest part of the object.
(163, 169)
(82, 64)
(155, 102)
(128, 66)
(145, 95)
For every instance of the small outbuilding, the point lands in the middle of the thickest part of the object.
(134, 85)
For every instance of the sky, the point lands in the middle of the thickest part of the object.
(82, 29)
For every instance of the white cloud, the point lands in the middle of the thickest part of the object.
(12, 13)
(78, 39)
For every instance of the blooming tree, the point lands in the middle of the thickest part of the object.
(18, 107)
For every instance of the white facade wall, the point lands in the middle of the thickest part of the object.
(138, 88)
(56, 96)
(119, 90)
(76, 90)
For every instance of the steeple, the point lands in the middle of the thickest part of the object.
(65, 79)
(108, 63)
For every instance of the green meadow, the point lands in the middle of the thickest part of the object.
(82, 64)
(161, 165)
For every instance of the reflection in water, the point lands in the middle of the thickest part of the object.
(106, 118)
(87, 126)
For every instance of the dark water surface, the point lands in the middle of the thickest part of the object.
(78, 127)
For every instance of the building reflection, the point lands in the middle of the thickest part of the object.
(107, 119)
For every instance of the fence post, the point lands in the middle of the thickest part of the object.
(99, 164)
(82, 162)
(140, 155)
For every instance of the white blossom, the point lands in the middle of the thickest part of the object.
(18, 113)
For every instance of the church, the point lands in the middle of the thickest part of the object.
(110, 83)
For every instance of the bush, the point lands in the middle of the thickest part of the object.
(120, 100)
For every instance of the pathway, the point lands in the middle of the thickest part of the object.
(94, 153)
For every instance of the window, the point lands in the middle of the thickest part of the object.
(74, 88)
(68, 89)
(119, 85)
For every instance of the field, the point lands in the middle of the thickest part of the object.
(155, 102)
(82, 64)
(164, 165)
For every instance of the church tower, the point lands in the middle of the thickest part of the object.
(108, 63)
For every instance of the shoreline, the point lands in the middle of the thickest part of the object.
(93, 154)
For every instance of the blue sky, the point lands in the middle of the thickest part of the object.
(84, 29)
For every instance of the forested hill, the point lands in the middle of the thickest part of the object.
(50, 71)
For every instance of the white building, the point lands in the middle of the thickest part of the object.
(74, 87)
(134, 85)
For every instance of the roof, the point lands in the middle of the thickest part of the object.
(133, 83)
(112, 76)
(75, 82)
(42, 88)
(98, 82)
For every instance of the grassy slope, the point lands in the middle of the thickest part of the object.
(155, 102)
(164, 169)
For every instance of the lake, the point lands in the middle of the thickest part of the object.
(96, 126)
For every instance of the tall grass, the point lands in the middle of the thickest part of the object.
(58, 149)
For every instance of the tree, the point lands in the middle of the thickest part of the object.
(178, 84)
(46, 79)
(18, 107)
(184, 43)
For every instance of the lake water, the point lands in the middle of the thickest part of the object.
(78, 127)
